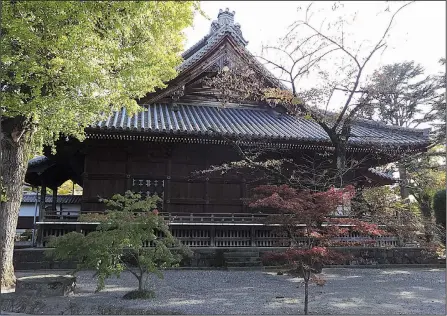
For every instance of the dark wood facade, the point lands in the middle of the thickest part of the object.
(116, 166)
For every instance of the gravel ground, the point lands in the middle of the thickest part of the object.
(209, 292)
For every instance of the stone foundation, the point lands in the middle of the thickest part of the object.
(374, 256)
(35, 258)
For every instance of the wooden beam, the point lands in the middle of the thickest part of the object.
(54, 201)
(167, 188)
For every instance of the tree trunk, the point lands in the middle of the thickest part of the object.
(306, 295)
(404, 193)
(140, 283)
(15, 145)
(306, 277)
(340, 161)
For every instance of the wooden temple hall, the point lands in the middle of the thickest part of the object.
(184, 128)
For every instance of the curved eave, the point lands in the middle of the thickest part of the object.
(373, 177)
(218, 139)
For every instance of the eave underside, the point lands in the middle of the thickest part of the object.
(59, 168)
(395, 152)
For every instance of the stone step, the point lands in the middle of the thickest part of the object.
(244, 259)
(245, 268)
(240, 249)
(241, 254)
(233, 264)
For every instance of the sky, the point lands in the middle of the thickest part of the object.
(418, 33)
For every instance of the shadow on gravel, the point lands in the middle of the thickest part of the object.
(210, 292)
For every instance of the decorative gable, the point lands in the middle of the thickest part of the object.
(224, 45)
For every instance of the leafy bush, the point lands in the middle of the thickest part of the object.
(274, 259)
(131, 237)
(26, 235)
(439, 206)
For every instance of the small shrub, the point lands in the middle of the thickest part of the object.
(131, 237)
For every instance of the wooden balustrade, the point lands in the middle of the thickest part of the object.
(185, 218)
(51, 216)
(230, 236)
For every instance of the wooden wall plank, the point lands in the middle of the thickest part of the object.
(111, 165)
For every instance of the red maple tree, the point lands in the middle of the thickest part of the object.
(305, 219)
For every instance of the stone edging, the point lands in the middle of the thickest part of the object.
(369, 266)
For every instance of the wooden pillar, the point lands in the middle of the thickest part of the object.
(244, 194)
(85, 179)
(43, 193)
(54, 202)
(167, 185)
(207, 197)
(212, 235)
(207, 188)
(128, 180)
(252, 235)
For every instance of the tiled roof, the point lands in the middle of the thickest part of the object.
(248, 123)
(383, 175)
(187, 53)
(222, 27)
(208, 45)
(38, 160)
(64, 199)
(39, 164)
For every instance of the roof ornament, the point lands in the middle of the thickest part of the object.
(225, 18)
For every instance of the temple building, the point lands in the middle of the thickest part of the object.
(184, 128)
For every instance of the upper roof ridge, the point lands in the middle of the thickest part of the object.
(224, 23)
(226, 19)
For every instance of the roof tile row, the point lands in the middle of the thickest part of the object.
(64, 199)
(249, 123)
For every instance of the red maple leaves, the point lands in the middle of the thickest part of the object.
(306, 215)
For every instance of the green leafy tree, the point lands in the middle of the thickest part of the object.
(402, 95)
(131, 237)
(426, 175)
(440, 110)
(66, 64)
(439, 206)
(68, 187)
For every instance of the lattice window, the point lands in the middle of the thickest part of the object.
(149, 187)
